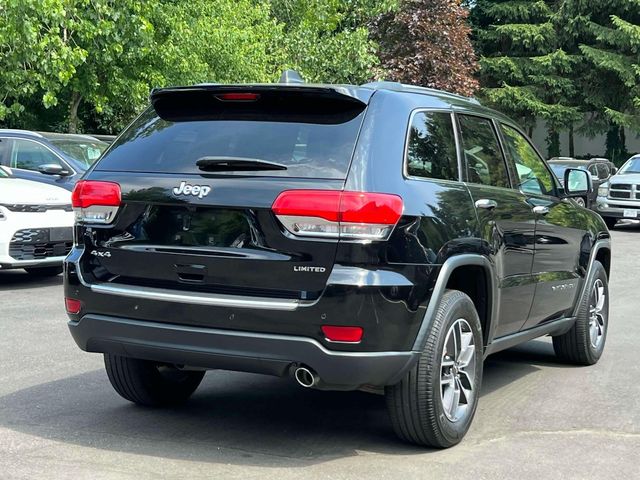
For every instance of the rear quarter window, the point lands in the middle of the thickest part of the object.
(431, 147)
(307, 149)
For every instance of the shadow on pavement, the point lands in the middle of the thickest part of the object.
(19, 279)
(233, 417)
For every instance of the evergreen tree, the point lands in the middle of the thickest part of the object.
(607, 35)
(525, 71)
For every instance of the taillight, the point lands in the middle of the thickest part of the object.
(95, 202)
(337, 214)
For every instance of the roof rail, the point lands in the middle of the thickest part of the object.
(22, 132)
(403, 87)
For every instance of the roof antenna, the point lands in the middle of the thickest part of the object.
(290, 76)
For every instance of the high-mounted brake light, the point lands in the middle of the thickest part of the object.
(337, 214)
(95, 201)
(238, 97)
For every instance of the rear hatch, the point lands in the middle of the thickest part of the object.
(198, 174)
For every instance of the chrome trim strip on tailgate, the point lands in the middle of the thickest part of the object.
(210, 299)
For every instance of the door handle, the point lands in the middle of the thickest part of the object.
(486, 204)
(540, 210)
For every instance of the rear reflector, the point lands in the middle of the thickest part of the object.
(95, 202)
(342, 334)
(72, 305)
(337, 214)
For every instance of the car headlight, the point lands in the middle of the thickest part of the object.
(603, 190)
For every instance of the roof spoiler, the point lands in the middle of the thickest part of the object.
(272, 102)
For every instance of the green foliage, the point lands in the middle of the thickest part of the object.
(525, 71)
(607, 36)
(328, 40)
(90, 64)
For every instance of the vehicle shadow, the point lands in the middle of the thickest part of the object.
(245, 419)
(19, 279)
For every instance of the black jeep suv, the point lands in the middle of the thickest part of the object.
(381, 237)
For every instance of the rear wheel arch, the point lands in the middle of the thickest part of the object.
(473, 275)
(603, 255)
(475, 282)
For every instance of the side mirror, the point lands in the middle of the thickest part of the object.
(577, 183)
(614, 170)
(53, 169)
(6, 170)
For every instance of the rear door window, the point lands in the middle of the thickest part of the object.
(431, 147)
(484, 162)
(306, 148)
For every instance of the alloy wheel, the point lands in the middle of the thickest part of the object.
(457, 370)
(597, 314)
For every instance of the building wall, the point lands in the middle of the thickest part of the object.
(584, 146)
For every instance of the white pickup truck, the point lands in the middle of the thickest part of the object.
(619, 198)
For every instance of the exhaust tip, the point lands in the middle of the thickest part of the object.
(305, 377)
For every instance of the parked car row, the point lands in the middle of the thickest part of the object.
(54, 158)
(37, 173)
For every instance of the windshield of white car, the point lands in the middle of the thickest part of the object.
(632, 166)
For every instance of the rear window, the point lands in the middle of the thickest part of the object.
(154, 145)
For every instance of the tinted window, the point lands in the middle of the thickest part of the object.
(483, 158)
(307, 149)
(431, 151)
(533, 175)
(603, 171)
(30, 155)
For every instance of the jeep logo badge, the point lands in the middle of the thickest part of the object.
(199, 191)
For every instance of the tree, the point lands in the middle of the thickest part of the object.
(427, 42)
(525, 71)
(81, 51)
(329, 40)
(607, 35)
(219, 41)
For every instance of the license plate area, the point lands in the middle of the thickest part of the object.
(630, 213)
(61, 234)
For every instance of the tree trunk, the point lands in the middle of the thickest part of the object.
(73, 112)
(572, 145)
(553, 143)
(616, 144)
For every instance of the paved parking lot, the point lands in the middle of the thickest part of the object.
(59, 417)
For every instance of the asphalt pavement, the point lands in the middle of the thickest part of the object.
(537, 419)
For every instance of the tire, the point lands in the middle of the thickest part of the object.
(148, 383)
(610, 221)
(584, 343)
(418, 406)
(44, 271)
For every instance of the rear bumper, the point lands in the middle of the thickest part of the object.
(241, 351)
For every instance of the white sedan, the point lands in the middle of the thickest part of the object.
(36, 225)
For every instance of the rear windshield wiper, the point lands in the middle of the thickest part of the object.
(229, 164)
